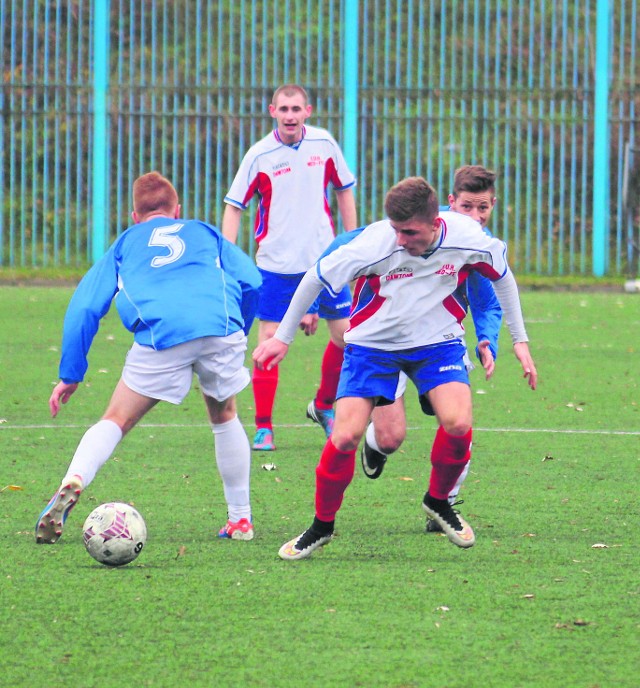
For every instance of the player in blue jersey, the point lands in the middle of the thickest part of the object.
(474, 194)
(189, 297)
(404, 319)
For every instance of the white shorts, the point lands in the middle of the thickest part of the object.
(167, 375)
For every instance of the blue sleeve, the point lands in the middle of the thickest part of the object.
(236, 263)
(89, 304)
(341, 240)
(485, 311)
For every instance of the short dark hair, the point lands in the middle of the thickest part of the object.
(290, 90)
(153, 193)
(409, 198)
(475, 179)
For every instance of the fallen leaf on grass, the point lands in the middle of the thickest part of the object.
(3, 420)
(528, 596)
(181, 552)
(406, 478)
(269, 466)
(599, 545)
(529, 535)
(12, 488)
(442, 609)
(547, 457)
(570, 625)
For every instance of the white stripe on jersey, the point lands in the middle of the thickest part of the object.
(403, 301)
(293, 224)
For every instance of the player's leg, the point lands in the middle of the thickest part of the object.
(97, 444)
(450, 454)
(148, 376)
(385, 433)
(440, 375)
(222, 375)
(333, 475)
(335, 310)
(275, 296)
(265, 385)
(368, 375)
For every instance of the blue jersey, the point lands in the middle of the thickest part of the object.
(475, 294)
(173, 281)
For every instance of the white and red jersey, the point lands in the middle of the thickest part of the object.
(293, 224)
(403, 301)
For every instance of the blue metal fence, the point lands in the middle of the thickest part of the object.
(504, 83)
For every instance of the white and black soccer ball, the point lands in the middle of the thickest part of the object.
(114, 533)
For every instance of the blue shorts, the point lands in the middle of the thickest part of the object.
(373, 373)
(277, 291)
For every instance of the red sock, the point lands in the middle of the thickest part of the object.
(449, 455)
(265, 383)
(329, 376)
(333, 475)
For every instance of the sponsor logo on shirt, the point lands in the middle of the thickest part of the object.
(281, 168)
(447, 269)
(315, 161)
(398, 273)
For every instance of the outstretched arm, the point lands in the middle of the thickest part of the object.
(507, 293)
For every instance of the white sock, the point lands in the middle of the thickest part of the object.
(233, 456)
(96, 446)
(370, 436)
(453, 495)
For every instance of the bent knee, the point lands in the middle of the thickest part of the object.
(457, 428)
(389, 440)
(345, 441)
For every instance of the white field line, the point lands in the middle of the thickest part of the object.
(306, 426)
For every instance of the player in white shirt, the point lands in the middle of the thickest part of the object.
(404, 319)
(474, 195)
(290, 171)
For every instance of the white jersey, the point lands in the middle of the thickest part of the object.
(403, 301)
(293, 224)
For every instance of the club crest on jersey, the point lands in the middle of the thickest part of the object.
(447, 269)
(281, 168)
(315, 161)
(398, 273)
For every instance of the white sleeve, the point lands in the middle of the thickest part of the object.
(304, 296)
(507, 292)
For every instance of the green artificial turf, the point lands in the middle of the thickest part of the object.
(549, 595)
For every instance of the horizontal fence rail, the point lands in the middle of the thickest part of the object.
(506, 84)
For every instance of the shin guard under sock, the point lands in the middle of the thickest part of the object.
(333, 475)
(449, 456)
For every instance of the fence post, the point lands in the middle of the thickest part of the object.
(100, 142)
(350, 84)
(601, 132)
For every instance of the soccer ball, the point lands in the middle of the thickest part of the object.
(114, 533)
